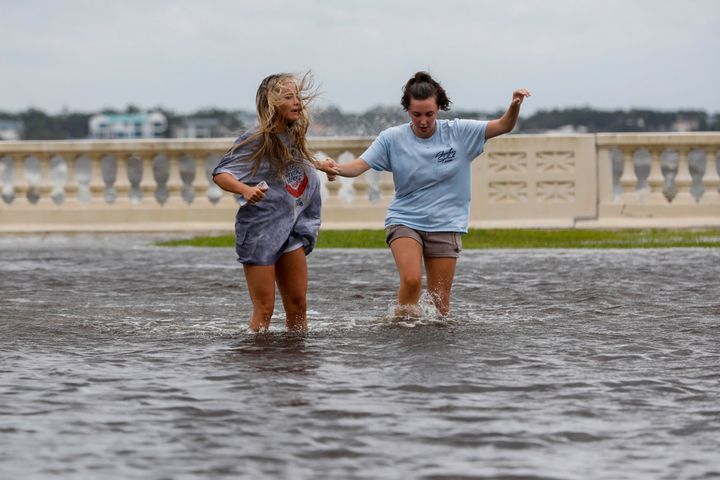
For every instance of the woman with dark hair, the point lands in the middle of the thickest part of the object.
(272, 171)
(430, 162)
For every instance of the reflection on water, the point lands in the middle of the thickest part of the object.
(278, 352)
(123, 360)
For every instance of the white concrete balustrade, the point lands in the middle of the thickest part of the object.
(593, 181)
(659, 179)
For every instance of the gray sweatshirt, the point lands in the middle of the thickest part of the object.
(288, 215)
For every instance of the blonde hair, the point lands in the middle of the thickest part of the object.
(270, 95)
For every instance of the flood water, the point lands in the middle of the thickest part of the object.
(120, 359)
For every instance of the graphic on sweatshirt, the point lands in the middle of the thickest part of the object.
(296, 180)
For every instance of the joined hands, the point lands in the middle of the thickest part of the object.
(330, 167)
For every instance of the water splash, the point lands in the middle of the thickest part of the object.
(425, 313)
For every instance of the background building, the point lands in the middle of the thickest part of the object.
(128, 125)
(10, 130)
(194, 127)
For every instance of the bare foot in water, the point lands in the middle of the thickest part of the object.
(407, 312)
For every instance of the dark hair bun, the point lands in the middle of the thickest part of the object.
(422, 86)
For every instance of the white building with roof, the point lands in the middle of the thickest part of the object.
(10, 130)
(198, 127)
(128, 125)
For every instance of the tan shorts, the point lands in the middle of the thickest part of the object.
(435, 244)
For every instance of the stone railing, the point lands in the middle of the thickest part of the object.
(606, 180)
(659, 179)
(598, 181)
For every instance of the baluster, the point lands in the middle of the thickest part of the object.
(200, 183)
(174, 183)
(4, 188)
(711, 179)
(45, 186)
(18, 183)
(21, 186)
(97, 182)
(683, 179)
(147, 183)
(122, 177)
(629, 179)
(71, 182)
(655, 180)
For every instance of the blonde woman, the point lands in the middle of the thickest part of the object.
(273, 171)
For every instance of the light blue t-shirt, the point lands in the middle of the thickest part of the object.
(432, 176)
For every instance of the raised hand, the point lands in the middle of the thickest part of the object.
(519, 95)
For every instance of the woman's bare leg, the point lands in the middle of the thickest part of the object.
(261, 286)
(408, 259)
(291, 274)
(440, 274)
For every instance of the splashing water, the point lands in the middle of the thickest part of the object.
(425, 313)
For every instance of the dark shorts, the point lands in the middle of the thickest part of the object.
(434, 244)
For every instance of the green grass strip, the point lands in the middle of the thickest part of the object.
(510, 238)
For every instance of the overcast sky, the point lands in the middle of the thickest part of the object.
(185, 55)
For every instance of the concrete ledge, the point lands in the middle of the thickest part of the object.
(645, 223)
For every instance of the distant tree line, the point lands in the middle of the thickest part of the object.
(331, 121)
(634, 120)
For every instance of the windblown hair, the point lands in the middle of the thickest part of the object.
(270, 95)
(421, 87)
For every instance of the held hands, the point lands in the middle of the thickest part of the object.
(518, 96)
(253, 194)
(329, 166)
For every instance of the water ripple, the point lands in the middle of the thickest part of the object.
(124, 360)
